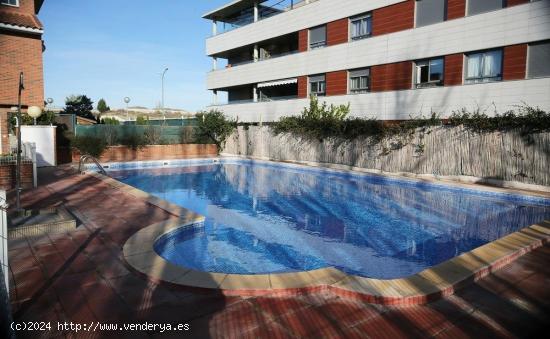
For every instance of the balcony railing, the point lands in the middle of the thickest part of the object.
(246, 62)
(267, 9)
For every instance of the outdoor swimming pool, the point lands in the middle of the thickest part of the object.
(264, 217)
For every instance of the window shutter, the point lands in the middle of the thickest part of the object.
(317, 34)
(429, 12)
(482, 6)
(539, 60)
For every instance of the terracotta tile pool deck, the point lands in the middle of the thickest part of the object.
(80, 276)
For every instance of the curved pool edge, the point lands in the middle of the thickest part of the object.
(428, 285)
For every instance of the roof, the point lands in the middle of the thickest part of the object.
(37, 5)
(229, 9)
(21, 20)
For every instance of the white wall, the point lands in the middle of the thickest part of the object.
(44, 139)
(514, 25)
(401, 105)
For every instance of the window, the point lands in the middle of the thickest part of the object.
(430, 12)
(318, 37)
(484, 67)
(10, 2)
(429, 73)
(361, 27)
(538, 65)
(359, 81)
(317, 85)
(482, 6)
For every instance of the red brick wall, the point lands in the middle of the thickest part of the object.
(391, 77)
(453, 69)
(21, 52)
(337, 83)
(514, 62)
(393, 18)
(303, 37)
(25, 7)
(337, 32)
(155, 152)
(302, 87)
(511, 3)
(8, 176)
(456, 9)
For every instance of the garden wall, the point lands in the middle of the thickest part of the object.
(8, 176)
(154, 152)
(440, 151)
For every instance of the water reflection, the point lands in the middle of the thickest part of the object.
(265, 218)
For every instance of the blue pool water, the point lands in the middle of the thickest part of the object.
(268, 218)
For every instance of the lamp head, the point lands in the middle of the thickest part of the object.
(34, 111)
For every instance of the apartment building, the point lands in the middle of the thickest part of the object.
(21, 50)
(389, 59)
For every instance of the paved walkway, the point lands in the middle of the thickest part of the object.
(79, 277)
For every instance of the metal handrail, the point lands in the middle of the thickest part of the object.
(86, 157)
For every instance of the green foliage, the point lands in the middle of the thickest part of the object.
(525, 118)
(102, 106)
(142, 121)
(214, 126)
(321, 122)
(80, 105)
(134, 141)
(110, 121)
(89, 145)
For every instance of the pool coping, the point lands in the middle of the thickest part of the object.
(428, 285)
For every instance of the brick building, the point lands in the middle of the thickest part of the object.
(389, 59)
(21, 48)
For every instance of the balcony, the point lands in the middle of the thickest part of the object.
(265, 50)
(278, 90)
(245, 12)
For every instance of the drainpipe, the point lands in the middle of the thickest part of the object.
(256, 53)
(256, 12)
(214, 97)
(214, 63)
(214, 28)
(255, 93)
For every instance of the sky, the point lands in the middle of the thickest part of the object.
(115, 49)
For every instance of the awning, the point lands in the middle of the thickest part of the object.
(278, 83)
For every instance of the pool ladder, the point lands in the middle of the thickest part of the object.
(94, 160)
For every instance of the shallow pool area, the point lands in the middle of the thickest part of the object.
(264, 217)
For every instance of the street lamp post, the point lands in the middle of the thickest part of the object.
(18, 165)
(127, 101)
(162, 97)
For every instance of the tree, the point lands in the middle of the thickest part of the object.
(141, 120)
(215, 127)
(79, 105)
(110, 121)
(102, 106)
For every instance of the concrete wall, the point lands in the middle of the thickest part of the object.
(447, 152)
(44, 138)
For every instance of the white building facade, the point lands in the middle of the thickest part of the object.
(389, 59)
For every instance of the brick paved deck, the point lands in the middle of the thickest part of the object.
(79, 276)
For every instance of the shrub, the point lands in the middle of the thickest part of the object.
(134, 141)
(142, 121)
(110, 121)
(188, 135)
(317, 120)
(214, 126)
(110, 134)
(153, 135)
(88, 145)
(525, 118)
